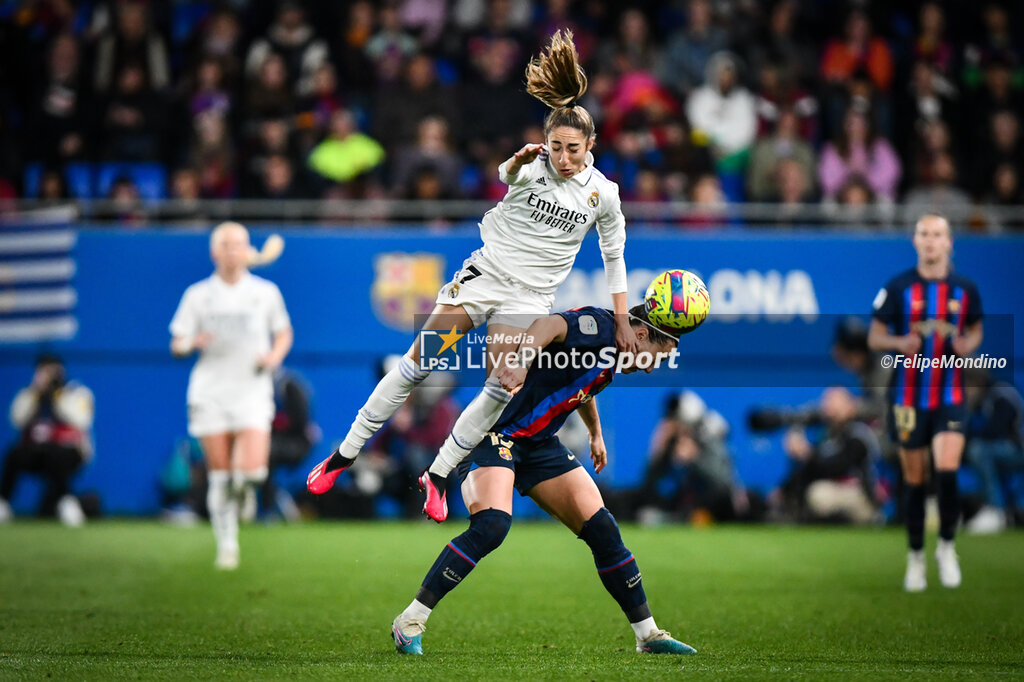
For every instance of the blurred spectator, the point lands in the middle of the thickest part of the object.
(277, 179)
(857, 151)
(763, 176)
(126, 208)
(688, 52)
(355, 67)
(269, 94)
(133, 41)
(424, 18)
(495, 108)
(559, 14)
(793, 189)
(1004, 146)
(52, 186)
(648, 187)
(59, 119)
(292, 39)
(390, 46)
(402, 106)
(930, 139)
(471, 15)
(832, 480)
(213, 154)
(633, 49)
(997, 93)
(930, 101)
(723, 111)
(930, 44)
(996, 38)
(780, 46)
(708, 207)
(690, 472)
(857, 50)
(432, 151)
(53, 417)
(995, 448)
(632, 151)
(1001, 203)
(272, 138)
(778, 93)
(941, 195)
(345, 153)
(683, 160)
(316, 109)
(133, 118)
(219, 39)
(186, 192)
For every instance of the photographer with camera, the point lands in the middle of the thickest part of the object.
(833, 479)
(54, 417)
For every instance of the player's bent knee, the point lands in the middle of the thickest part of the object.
(601, 533)
(487, 530)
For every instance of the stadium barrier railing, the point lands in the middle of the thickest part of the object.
(342, 212)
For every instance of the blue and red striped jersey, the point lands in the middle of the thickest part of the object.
(550, 394)
(938, 311)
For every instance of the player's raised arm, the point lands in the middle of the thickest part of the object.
(542, 332)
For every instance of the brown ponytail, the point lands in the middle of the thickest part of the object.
(557, 79)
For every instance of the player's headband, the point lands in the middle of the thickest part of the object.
(656, 329)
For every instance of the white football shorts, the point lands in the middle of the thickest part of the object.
(491, 296)
(210, 417)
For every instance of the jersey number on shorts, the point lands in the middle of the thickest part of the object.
(497, 440)
(906, 419)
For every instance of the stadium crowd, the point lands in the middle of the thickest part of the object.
(715, 102)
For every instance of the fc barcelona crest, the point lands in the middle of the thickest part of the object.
(405, 285)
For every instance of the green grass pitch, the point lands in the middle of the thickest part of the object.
(140, 600)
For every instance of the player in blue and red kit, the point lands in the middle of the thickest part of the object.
(523, 453)
(929, 312)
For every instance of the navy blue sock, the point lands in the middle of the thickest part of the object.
(615, 565)
(949, 504)
(914, 514)
(487, 529)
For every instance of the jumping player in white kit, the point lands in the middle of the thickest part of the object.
(238, 324)
(531, 239)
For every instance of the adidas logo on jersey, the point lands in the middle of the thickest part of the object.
(542, 181)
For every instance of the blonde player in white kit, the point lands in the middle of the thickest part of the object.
(530, 241)
(238, 324)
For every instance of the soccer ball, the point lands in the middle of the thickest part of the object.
(677, 302)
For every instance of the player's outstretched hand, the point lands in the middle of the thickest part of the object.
(598, 452)
(511, 378)
(527, 154)
(625, 337)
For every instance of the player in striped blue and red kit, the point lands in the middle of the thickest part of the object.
(923, 315)
(523, 453)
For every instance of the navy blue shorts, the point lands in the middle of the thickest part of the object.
(915, 428)
(532, 462)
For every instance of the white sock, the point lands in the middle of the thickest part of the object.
(223, 508)
(386, 398)
(644, 627)
(471, 426)
(416, 610)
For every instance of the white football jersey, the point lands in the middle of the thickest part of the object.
(242, 317)
(535, 232)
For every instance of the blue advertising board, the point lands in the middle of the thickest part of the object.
(352, 295)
